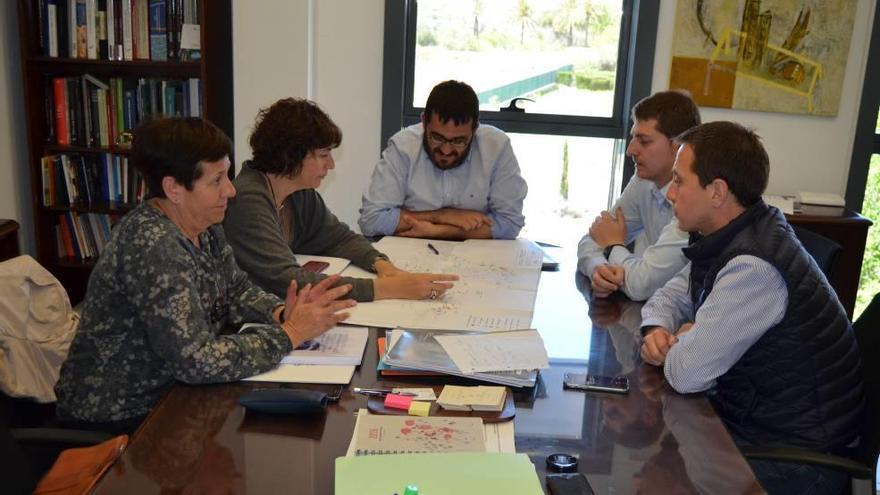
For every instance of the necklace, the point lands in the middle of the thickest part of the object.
(272, 192)
(172, 215)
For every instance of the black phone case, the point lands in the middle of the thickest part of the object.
(284, 401)
(568, 484)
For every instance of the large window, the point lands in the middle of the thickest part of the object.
(863, 184)
(581, 62)
(869, 284)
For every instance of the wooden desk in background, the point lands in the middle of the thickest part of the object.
(199, 439)
(8, 239)
(850, 230)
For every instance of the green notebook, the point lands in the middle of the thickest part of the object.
(438, 474)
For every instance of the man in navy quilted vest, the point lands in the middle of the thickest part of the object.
(751, 319)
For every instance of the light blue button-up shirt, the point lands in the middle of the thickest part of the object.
(488, 181)
(748, 297)
(657, 254)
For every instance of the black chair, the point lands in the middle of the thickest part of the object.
(861, 465)
(822, 249)
(30, 442)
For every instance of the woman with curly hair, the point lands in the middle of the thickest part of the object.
(278, 211)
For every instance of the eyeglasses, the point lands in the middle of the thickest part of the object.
(438, 140)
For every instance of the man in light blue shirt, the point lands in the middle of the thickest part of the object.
(642, 215)
(446, 178)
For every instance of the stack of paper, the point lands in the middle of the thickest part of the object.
(480, 398)
(338, 346)
(507, 358)
(330, 358)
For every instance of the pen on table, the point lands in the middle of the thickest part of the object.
(380, 392)
(432, 248)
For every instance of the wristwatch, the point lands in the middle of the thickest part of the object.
(380, 257)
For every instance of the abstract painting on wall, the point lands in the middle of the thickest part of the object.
(766, 55)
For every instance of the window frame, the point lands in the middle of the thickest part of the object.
(867, 139)
(633, 81)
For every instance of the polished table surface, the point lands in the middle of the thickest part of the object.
(652, 440)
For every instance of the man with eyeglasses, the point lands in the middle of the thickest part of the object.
(446, 178)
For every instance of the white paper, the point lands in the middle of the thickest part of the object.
(339, 345)
(306, 373)
(786, 205)
(336, 264)
(503, 351)
(496, 290)
(821, 198)
(190, 37)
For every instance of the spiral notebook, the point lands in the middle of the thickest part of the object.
(376, 434)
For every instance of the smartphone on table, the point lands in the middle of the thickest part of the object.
(315, 266)
(596, 383)
(568, 484)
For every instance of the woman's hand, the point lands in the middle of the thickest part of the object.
(385, 268)
(314, 310)
(406, 285)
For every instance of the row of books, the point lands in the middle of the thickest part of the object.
(87, 111)
(86, 179)
(83, 236)
(158, 30)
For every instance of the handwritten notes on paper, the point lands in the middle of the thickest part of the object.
(496, 290)
(502, 351)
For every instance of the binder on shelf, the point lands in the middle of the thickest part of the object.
(158, 31)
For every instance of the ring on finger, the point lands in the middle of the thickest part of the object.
(433, 294)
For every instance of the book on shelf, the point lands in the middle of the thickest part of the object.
(117, 29)
(83, 236)
(89, 179)
(158, 31)
(89, 111)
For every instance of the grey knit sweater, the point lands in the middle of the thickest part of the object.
(255, 232)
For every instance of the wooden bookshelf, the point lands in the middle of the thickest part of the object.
(213, 68)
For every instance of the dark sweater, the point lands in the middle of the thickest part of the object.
(253, 229)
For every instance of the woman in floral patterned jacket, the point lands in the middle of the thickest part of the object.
(167, 284)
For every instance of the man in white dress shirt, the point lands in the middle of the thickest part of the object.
(642, 215)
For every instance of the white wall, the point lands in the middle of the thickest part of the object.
(806, 153)
(338, 64)
(270, 59)
(15, 186)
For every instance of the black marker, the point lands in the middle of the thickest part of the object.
(432, 248)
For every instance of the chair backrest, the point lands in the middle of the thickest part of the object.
(822, 249)
(867, 330)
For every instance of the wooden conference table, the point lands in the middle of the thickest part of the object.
(198, 440)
